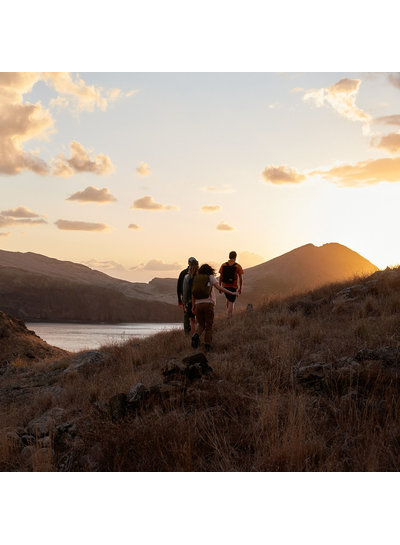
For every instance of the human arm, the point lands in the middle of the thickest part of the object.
(221, 289)
(240, 277)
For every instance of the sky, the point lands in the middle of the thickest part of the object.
(132, 173)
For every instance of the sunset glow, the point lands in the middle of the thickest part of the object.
(131, 173)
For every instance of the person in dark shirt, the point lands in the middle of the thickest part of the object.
(179, 290)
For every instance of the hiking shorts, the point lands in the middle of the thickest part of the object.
(231, 298)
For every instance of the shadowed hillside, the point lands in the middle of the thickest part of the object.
(306, 383)
(37, 288)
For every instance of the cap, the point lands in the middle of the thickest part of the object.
(191, 259)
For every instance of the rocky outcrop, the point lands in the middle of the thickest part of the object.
(19, 344)
(178, 375)
(367, 370)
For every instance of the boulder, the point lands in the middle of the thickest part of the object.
(389, 356)
(137, 392)
(86, 362)
(46, 423)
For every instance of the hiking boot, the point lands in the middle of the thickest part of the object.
(207, 347)
(195, 340)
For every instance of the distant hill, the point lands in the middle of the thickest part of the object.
(34, 287)
(304, 268)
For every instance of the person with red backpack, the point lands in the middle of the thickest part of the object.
(231, 278)
(203, 302)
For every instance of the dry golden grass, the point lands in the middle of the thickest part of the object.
(251, 415)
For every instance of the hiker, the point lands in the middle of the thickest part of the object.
(204, 300)
(231, 278)
(179, 289)
(187, 294)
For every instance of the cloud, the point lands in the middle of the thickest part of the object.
(389, 142)
(395, 79)
(106, 265)
(7, 221)
(342, 98)
(363, 173)
(20, 122)
(282, 175)
(20, 212)
(23, 121)
(66, 225)
(85, 97)
(93, 194)
(249, 259)
(4, 234)
(81, 162)
(222, 226)
(219, 189)
(157, 265)
(134, 226)
(210, 208)
(388, 120)
(148, 203)
(143, 169)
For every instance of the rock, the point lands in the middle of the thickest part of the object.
(390, 357)
(118, 405)
(137, 392)
(191, 368)
(311, 374)
(46, 423)
(86, 362)
(195, 358)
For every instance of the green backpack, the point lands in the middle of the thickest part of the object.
(201, 288)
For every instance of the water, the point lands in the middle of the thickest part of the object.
(75, 337)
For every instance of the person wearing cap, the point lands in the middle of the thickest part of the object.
(179, 290)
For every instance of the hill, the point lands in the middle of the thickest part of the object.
(304, 268)
(34, 287)
(305, 383)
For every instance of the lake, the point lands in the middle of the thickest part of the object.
(75, 337)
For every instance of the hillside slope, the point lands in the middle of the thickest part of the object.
(304, 268)
(307, 383)
(35, 287)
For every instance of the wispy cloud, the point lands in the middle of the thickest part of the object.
(210, 208)
(282, 175)
(105, 265)
(389, 120)
(394, 79)
(157, 265)
(134, 226)
(80, 161)
(93, 194)
(81, 97)
(219, 189)
(222, 226)
(148, 203)
(4, 234)
(66, 225)
(342, 98)
(20, 212)
(143, 169)
(363, 173)
(8, 222)
(389, 142)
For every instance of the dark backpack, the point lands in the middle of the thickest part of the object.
(228, 273)
(201, 288)
(187, 289)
